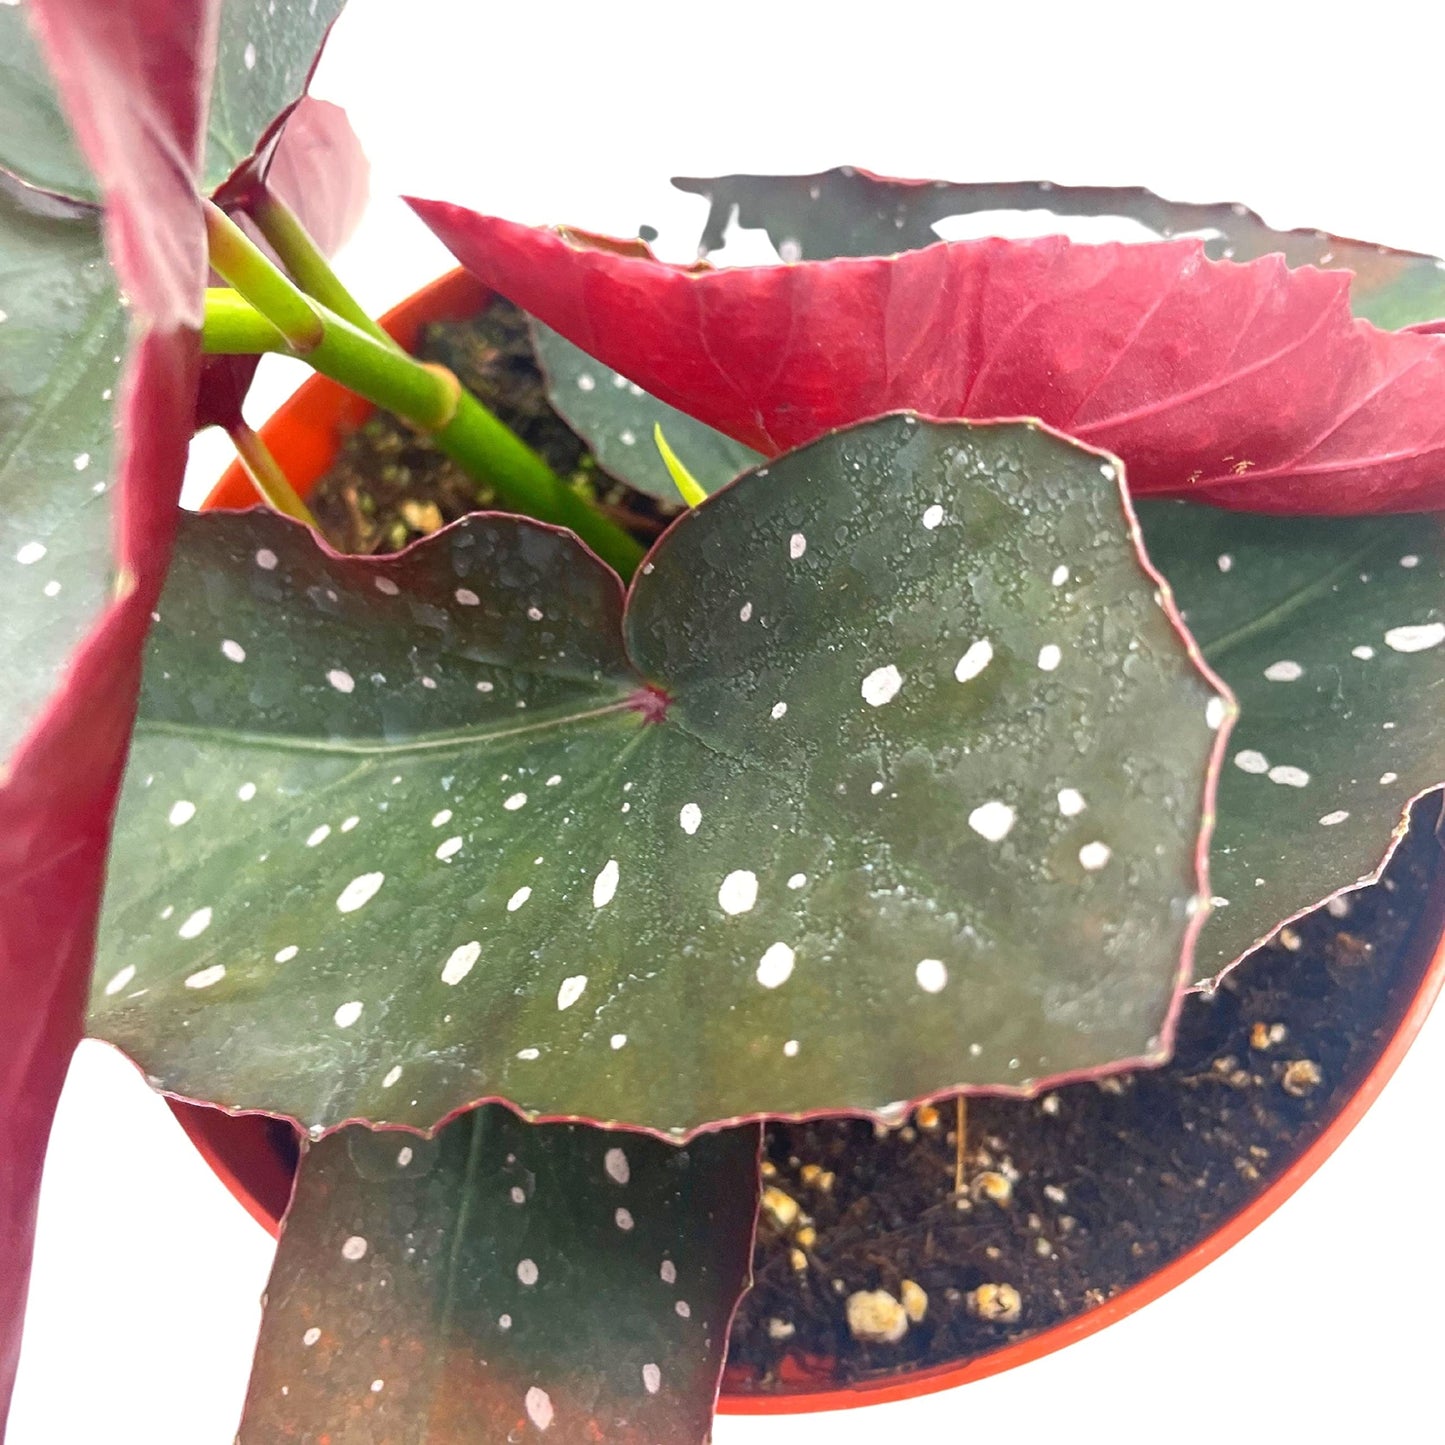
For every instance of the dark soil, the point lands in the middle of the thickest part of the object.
(1066, 1200)
(1105, 1182)
(390, 486)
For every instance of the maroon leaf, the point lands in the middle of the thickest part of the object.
(1246, 386)
(316, 165)
(225, 380)
(133, 75)
(56, 804)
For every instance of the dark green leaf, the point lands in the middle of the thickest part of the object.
(505, 1281)
(263, 60)
(845, 212)
(427, 839)
(615, 418)
(1331, 632)
(62, 331)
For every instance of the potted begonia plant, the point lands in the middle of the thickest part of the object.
(890, 775)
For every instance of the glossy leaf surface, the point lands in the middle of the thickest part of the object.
(848, 212)
(1243, 385)
(1331, 633)
(505, 1281)
(615, 417)
(1362, 722)
(263, 60)
(923, 809)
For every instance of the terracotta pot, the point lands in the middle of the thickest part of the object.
(255, 1157)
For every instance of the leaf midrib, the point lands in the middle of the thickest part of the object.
(358, 747)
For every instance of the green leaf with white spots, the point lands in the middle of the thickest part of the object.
(846, 212)
(62, 333)
(1331, 633)
(891, 778)
(615, 417)
(264, 57)
(505, 1281)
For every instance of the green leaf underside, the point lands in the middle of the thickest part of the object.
(1311, 622)
(847, 213)
(263, 58)
(62, 333)
(586, 878)
(504, 1281)
(615, 417)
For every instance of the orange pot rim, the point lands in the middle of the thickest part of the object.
(305, 432)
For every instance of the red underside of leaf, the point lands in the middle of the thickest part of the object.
(55, 813)
(1247, 386)
(134, 76)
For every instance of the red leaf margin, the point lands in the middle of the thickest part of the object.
(1245, 385)
(134, 76)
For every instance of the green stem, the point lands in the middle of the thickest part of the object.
(430, 398)
(308, 265)
(266, 475)
(233, 327)
(241, 262)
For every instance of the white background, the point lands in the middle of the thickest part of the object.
(1324, 1324)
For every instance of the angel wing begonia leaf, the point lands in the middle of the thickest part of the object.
(1331, 632)
(1249, 386)
(851, 212)
(505, 1281)
(263, 58)
(902, 717)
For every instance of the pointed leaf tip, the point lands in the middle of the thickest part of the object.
(687, 484)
